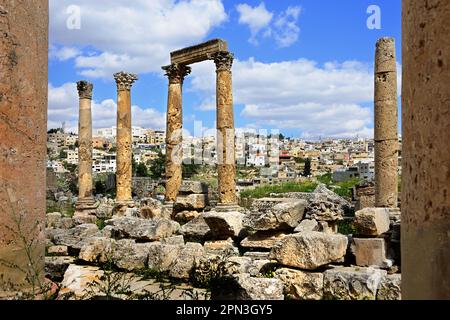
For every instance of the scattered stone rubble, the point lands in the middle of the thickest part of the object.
(281, 248)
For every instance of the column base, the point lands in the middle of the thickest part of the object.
(231, 207)
(85, 207)
(125, 203)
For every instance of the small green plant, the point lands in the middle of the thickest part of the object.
(265, 190)
(346, 227)
(101, 224)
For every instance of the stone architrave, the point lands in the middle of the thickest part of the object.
(86, 201)
(425, 221)
(386, 125)
(174, 138)
(124, 138)
(225, 129)
(23, 128)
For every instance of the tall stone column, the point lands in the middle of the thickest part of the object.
(174, 138)
(225, 130)
(23, 133)
(386, 125)
(426, 154)
(86, 201)
(124, 138)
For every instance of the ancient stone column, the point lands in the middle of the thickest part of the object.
(124, 138)
(174, 138)
(386, 125)
(86, 201)
(425, 233)
(23, 128)
(225, 129)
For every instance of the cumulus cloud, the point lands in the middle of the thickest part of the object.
(133, 35)
(283, 28)
(318, 100)
(63, 107)
(257, 18)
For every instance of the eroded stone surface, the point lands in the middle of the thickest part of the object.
(390, 288)
(224, 224)
(372, 221)
(309, 250)
(301, 285)
(348, 283)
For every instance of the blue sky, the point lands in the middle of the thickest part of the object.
(304, 67)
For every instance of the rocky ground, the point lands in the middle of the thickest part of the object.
(288, 246)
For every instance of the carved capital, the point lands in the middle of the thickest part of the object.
(125, 80)
(177, 72)
(223, 60)
(85, 89)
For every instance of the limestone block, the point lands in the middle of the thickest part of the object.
(245, 287)
(390, 288)
(162, 256)
(372, 221)
(300, 285)
(150, 208)
(190, 202)
(55, 267)
(77, 279)
(221, 247)
(195, 229)
(188, 257)
(370, 252)
(58, 251)
(190, 187)
(265, 240)
(76, 237)
(352, 283)
(142, 229)
(225, 224)
(54, 220)
(307, 225)
(309, 250)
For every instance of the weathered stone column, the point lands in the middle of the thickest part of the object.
(23, 126)
(225, 130)
(426, 154)
(386, 125)
(174, 137)
(86, 201)
(124, 138)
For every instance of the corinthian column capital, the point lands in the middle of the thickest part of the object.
(85, 89)
(176, 72)
(223, 60)
(125, 80)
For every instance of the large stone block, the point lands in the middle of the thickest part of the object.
(221, 247)
(76, 237)
(162, 256)
(310, 250)
(390, 288)
(307, 225)
(301, 285)
(142, 229)
(188, 257)
(78, 280)
(55, 267)
(196, 229)
(265, 240)
(225, 224)
(370, 252)
(279, 216)
(190, 187)
(352, 283)
(190, 202)
(372, 221)
(245, 287)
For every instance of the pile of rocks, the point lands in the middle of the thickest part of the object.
(280, 248)
(192, 199)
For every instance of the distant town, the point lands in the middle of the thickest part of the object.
(272, 160)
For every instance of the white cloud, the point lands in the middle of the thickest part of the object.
(136, 36)
(63, 107)
(63, 53)
(257, 18)
(283, 29)
(287, 30)
(318, 100)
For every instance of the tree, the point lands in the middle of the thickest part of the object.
(142, 170)
(63, 154)
(307, 169)
(190, 169)
(158, 166)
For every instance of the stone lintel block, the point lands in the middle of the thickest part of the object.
(370, 252)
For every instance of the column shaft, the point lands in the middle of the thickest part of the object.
(426, 153)
(85, 197)
(174, 126)
(23, 126)
(124, 139)
(225, 130)
(386, 125)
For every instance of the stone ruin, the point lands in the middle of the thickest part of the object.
(283, 247)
